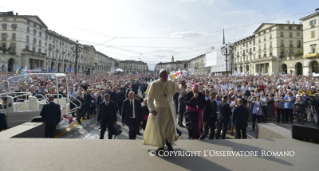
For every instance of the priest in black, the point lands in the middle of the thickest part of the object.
(106, 116)
(224, 114)
(195, 102)
(132, 115)
(209, 117)
(240, 117)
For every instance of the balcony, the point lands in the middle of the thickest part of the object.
(29, 52)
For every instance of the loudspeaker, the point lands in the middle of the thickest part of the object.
(302, 132)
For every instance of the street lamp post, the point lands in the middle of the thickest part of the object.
(226, 49)
(76, 48)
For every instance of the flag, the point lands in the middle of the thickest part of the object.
(177, 74)
(69, 69)
(50, 70)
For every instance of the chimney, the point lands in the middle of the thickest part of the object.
(293, 22)
(288, 22)
(16, 13)
(317, 10)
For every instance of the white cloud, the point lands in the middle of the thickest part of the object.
(190, 34)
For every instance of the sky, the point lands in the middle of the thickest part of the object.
(155, 30)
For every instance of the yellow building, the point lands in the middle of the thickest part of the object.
(311, 42)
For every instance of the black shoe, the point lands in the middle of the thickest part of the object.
(139, 134)
(179, 134)
(160, 151)
(169, 146)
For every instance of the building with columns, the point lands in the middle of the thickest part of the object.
(311, 43)
(133, 67)
(273, 48)
(172, 66)
(27, 41)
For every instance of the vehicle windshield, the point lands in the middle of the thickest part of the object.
(10, 84)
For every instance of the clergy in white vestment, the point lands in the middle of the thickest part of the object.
(161, 123)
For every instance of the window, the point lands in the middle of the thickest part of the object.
(299, 43)
(290, 43)
(270, 44)
(5, 19)
(40, 34)
(281, 34)
(4, 36)
(35, 25)
(50, 46)
(46, 37)
(290, 34)
(312, 22)
(45, 44)
(4, 45)
(4, 26)
(34, 41)
(39, 50)
(291, 52)
(27, 47)
(313, 49)
(27, 39)
(13, 47)
(28, 29)
(290, 27)
(13, 36)
(14, 26)
(33, 48)
(298, 28)
(40, 27)
(282, 43)
(28, 22)
(281, 27)
(39, 42)
(298, 34)
(34, 31)
(313, 35)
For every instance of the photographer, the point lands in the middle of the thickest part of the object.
(299, 108)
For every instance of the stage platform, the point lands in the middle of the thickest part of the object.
(38, 154)
(75, 154)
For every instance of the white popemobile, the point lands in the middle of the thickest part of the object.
(22, 107)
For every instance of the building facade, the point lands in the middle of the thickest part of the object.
(132, 67)
(273, 48)
(311, 43)
(27, 42)
(172, 66)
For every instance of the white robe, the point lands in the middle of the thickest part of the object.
(161, 127)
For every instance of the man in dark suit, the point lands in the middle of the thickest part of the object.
(106, 116)
(240, 117)
(209, 117)
(87, 102)
(223, 116)
(100, 99)
(120, 96)
(132, 115)
(51, 115)
(181, 108)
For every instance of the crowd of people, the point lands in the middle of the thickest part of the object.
(267, 98)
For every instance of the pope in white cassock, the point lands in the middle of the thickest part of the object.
(161, 123)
